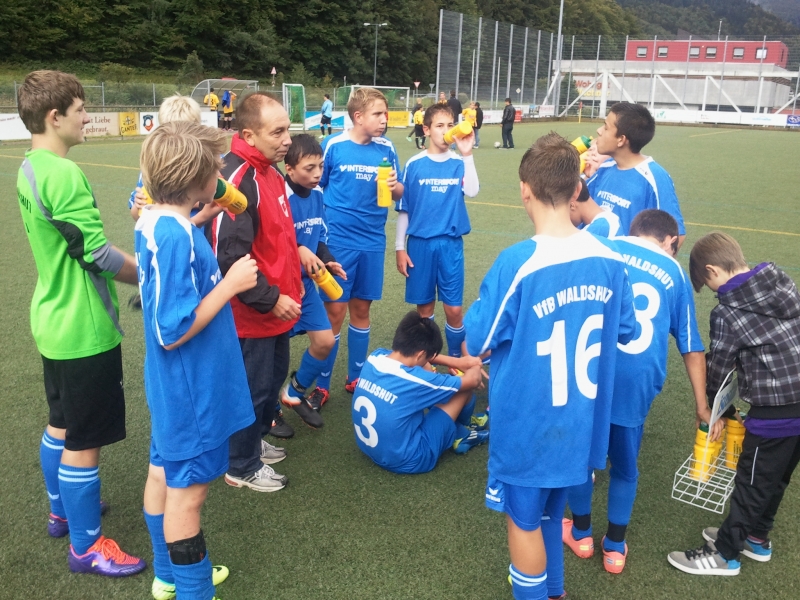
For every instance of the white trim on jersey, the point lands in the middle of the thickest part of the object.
(643, 168)
(344, 136)
(613, 222)
(550, 251)
(388, 366)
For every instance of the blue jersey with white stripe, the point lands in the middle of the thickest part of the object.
(664, 305)
(551, 310)
(630, 191)
(350, 182)
(606, 225)
(433, 196)
(388, 407)
(197, 393)
(310, 227)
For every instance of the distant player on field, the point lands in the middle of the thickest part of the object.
(551, 309)
(356, 223)
(632, 182)
(664, 305)
(326, 115)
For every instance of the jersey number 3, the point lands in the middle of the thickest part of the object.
(556, 348)
(371, 439)
(644, 318)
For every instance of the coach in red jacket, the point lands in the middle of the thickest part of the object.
(265, 314)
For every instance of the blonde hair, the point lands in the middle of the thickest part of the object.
(362, 98)
(718, 250)
(177, 156)
(179, 108)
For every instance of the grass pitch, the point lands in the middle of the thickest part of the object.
(343, 528)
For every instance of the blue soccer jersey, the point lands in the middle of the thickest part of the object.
(434, 196)
(551, 310)
(606, 225)
(388, 409)
(630, 191)
(350, 181)
(197, 393)
(664, 305)
(309, 219)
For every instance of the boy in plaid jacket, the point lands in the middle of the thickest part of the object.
(756, 329)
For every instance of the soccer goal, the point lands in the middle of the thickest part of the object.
(398, 98)
(294, 101)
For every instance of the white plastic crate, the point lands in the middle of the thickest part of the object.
(711, 494)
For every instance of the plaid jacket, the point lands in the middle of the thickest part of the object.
(756, 328)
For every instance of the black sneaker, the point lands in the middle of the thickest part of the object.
(318, 398)
(280, 428)
(309, 416)
(135, 302)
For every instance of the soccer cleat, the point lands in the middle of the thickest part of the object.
(583, 548)
(280, 428)
(350, 386)
(271, 454)
(614, 562)
(58, 527)
(704, 561)
(318, 398)
(288, 399)
(105, 557)
(760, 551)
(479, 421)
(162, 590)
(263, 480)
(475, 438)
(301, 406)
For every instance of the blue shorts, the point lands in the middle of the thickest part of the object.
(200, 469)
(437, 434)
(438, 264)
(364, 274)
(526, 506)
(313, 316)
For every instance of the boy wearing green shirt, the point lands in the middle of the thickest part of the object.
(74, 319)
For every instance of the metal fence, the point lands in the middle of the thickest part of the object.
(488, 61)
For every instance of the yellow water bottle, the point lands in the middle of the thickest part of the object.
(327, 284)
(734, 438)
(230, 198)
(582, 143)
(384, 193)
(703, 455)
(461, 130)
(147, 198)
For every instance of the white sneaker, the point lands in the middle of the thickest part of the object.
(271, 454)
(263, 480)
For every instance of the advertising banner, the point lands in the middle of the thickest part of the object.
(148, 121)
(399, 118)
(128, 123)
(102, 124)
(12, 128)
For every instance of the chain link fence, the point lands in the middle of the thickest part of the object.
(488, 61)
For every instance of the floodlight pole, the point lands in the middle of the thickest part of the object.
(558, 57)
(375, 64)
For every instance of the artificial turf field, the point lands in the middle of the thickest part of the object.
(344, 528)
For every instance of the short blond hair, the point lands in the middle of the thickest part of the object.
(362, 98)
(178, 156)
(179, 108)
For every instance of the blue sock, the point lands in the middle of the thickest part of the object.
(621, 496)
(357, 347)
(161, 563)
(551, 532)
(528, 587)
(80, 493)
(50, 450)
(466, 413)
(324, 379)
(193, 582)
(432, 317)
(309, 370)
(610, 546)
(454, 337)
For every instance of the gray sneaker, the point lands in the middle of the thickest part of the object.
(271, 454)
(703, 561)
(263, 480)
(754, 550)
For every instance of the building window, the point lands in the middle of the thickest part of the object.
(761, 53)
(738, 53)
(662, 52)
(711, 52)
(641, 52)
(694, 52)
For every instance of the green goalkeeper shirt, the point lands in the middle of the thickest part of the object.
(74, 310)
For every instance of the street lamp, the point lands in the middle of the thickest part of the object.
(375, 66)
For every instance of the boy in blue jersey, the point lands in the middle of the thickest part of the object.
(303, 171)
(664, 305)
(394, 391)
(195, 379)
(551, 309)
(356, 223)
(433, 213)
(586, 214)
(632, 182)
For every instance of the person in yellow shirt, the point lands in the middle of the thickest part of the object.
(228, 99)
(212, 100)
(471, 115)
(419, 133)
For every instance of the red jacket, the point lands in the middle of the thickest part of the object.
(265, 231)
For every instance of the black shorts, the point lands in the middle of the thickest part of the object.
(418, 131)
(325, 121)
(86, 398)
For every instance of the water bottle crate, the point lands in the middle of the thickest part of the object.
(704, 485)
